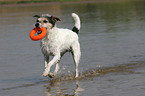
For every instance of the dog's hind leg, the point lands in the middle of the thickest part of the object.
(76, 53)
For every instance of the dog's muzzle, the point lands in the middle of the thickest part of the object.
(37, 25)
(39, 31)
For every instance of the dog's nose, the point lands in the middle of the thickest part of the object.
(37, 25)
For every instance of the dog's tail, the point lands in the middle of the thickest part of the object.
(77, 26)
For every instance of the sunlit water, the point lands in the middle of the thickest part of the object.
(112, 42)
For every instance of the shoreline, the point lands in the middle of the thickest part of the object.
(57, 3)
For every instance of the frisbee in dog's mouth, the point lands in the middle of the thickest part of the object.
(40, 31)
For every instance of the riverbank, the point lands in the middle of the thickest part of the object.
(27, 2)
(11, 3)
(21, 3)
(2, 2)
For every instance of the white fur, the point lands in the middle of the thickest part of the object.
(77, 20)
(58, 41)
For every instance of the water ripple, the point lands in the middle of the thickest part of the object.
(87, 74)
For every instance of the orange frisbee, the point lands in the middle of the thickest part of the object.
(39, 36)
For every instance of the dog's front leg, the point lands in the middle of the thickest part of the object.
(57, 67)
(55, 60)
(46, 60)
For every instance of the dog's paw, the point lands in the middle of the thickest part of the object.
(51, 75)
(45, 73)
(77, 75)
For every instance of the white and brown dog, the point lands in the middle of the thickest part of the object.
(58, 41)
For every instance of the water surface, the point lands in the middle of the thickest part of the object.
(112, 41)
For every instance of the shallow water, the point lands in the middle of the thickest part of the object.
(112, 43)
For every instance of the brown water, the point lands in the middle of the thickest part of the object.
(112, 43)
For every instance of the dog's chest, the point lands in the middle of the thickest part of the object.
(48, 47)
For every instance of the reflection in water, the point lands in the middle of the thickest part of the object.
(55, 87)
(69, 86)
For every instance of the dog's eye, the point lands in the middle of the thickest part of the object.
(37, 21)
(45, 21)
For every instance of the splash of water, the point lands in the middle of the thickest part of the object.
(94, 72)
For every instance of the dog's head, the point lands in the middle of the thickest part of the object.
(46, 21)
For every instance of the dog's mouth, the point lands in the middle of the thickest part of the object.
(39, 32)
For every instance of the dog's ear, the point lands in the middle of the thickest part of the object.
(36, 16)
(55, 18)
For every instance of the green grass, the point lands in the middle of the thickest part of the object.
(32, 1)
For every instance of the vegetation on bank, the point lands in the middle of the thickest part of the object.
(30, 1)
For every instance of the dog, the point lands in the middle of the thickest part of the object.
(58, 41)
